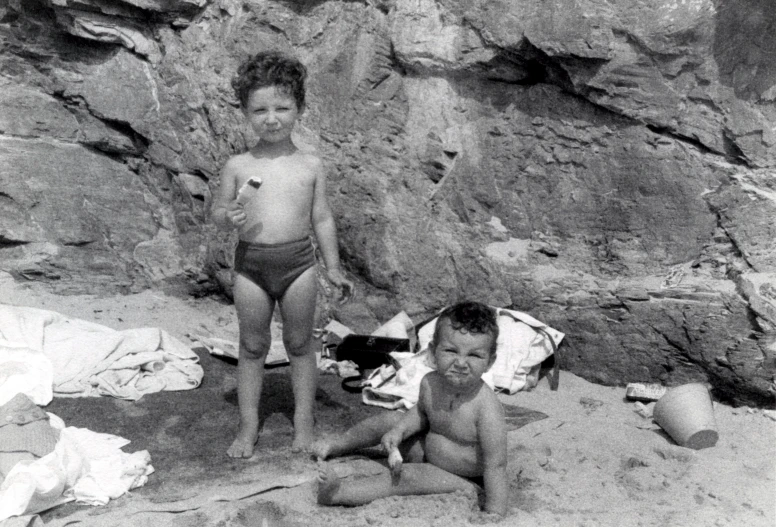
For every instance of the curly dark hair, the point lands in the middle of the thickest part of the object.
(270, 68)
(470, 317)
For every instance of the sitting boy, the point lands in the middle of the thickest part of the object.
(456, 431)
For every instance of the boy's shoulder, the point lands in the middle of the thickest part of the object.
(238, 160)
(430, 384)
(490, 407)
(309, 158)
(431, 377)
(488, 396)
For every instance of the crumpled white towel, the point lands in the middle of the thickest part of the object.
(28, 371)
(88, 359)
(400, 389)
(85, 466)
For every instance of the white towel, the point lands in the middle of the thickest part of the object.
(78, 358)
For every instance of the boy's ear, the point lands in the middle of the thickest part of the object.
(492, 358)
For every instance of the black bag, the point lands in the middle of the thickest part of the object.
(369, 352)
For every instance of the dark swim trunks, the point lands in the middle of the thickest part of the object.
(274, 266)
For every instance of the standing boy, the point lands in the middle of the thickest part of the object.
(275, 257)
(457, 430)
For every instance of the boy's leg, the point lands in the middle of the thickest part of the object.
(364, 434)
(415, 479)
(254, 314)
(297, 308)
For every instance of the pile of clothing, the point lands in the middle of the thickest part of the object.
(43, 462)
(524, 343)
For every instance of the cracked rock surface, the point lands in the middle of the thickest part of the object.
(606, 167)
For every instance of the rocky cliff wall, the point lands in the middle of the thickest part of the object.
(606, 166)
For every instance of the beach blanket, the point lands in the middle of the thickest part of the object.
(523, 344)
(45, 354)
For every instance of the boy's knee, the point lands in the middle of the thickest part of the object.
(297, 345)
(255, 348)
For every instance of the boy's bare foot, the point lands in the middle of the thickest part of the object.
(302, 442)
(304, 434)
(243, 445)
(321, 449)
(328, 484)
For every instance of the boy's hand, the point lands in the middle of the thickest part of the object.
(391, 440)
(346, 287)
(235, 213)
(395, 462)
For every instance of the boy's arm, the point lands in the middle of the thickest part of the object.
(326, 233)
(225, 203)
(492, 433)
(414, 420)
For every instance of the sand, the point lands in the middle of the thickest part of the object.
(594, 461)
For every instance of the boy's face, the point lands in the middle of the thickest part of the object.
(272, 113)
(462, 357)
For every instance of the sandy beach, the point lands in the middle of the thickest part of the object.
(593, 461)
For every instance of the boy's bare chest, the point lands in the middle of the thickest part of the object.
(292, 186)
(278, 172)
(454, 420)
(279, 183)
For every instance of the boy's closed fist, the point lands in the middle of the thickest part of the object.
(395, 462)
(345, 286)
(236, 213)
(391, 440)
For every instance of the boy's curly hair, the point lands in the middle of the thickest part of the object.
(270, 68)
(470, 317)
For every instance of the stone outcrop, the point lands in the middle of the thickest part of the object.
(607, 167)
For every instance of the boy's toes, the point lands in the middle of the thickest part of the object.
(323, 472)
(328, 484)
(297, 448)
(320, 449)
(302, 443)
(241, 448)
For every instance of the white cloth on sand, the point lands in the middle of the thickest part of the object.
(229, 348)
(45, 353)
(523, 344)
(85, 466)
